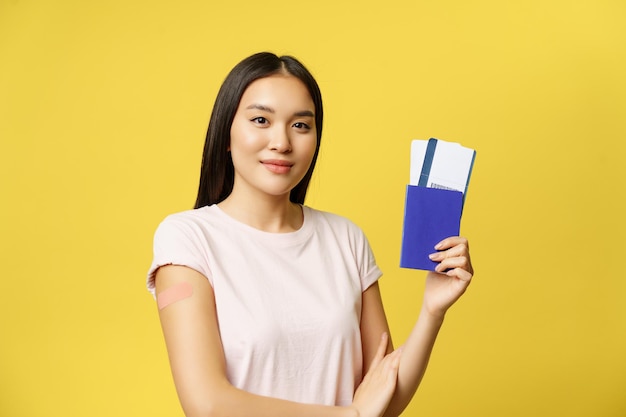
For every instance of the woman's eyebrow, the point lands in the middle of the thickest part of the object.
(303, 113)
(260, 107)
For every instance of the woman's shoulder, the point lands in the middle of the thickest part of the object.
(188, 220)
(198, 215)
(186, 215)
(333, 220)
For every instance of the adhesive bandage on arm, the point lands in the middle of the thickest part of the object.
(173, 294)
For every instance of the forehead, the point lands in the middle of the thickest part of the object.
(278, 92)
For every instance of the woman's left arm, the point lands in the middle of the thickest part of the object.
(443, 288)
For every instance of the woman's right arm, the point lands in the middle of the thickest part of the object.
(199, 368)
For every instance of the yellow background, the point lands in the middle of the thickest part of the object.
(103, 111)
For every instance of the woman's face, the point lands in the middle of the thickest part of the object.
(273, 136)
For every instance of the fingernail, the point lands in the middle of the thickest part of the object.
(438, 246)
(432, 255)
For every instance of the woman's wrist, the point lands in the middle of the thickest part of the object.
(433, 316)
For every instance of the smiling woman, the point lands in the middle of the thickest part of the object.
(217, 173)
(273, 132)
(270, 307)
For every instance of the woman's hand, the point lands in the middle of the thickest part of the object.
(451, 277)
(375, 391)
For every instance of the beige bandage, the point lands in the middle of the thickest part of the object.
(174, 293)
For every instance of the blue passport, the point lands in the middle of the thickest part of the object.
(430, 215)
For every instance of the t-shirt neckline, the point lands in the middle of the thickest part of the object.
(288, 238)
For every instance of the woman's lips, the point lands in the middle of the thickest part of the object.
(277, 166)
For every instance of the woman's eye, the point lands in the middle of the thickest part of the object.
(301, 125)
(260, 120)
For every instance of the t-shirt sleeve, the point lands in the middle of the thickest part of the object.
(368, 268)
(178, 241)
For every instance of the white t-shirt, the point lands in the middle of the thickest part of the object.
(288, 304)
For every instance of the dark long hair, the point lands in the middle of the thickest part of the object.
(217, 173)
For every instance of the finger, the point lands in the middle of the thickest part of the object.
(392, 365)
(462, 262)
(385, 371)
(396, 360)
(460, 273)
(392, 359)
(458, 250)
(381, 351)
(450, 242)
(386, 368)
(396, 355)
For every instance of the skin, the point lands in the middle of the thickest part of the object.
(275, 122)
(273, 140)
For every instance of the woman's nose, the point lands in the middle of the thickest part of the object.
(279, 141)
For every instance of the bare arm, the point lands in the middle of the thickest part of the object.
(442, 290)
(199, 368)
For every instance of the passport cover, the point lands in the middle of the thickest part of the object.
(430, 215)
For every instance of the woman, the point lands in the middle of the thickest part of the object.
(269, 307)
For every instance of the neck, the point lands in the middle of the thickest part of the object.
(275, 214)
